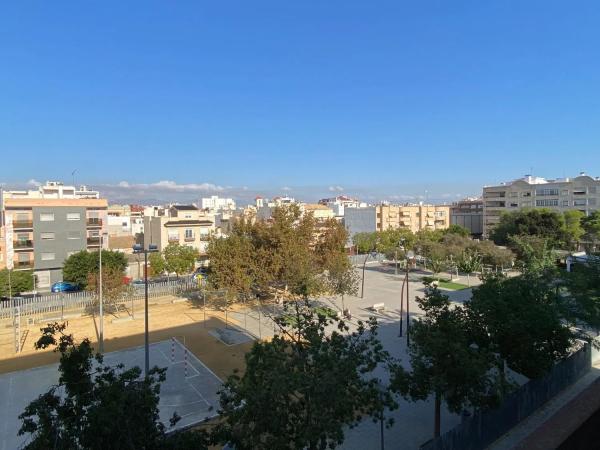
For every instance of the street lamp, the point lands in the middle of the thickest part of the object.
(101, 325)
(405, 284)
(362, 287)
(137, 248)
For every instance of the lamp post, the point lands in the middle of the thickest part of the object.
(362, 285)
(101, 325)
(405, 286)
(137, 248)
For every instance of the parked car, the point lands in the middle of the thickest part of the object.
(64, 286)
(199, 274)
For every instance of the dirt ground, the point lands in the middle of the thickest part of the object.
(181, 320)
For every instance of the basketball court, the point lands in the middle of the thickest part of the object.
(190, 388)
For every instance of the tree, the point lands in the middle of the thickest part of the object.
(591, 226)
(157, 263)
(180, 258)
(113, 285)
(437, 257)
(573, 226)
(365, 242)
(341, 280)
(534, 253)
(493, 255)
(458, 230)
(390, 241)
(95, 406)
(79, 265)
(468, 263)
(445, 360)
(543, 223)
(523, 322)
(20, 281)
(302, 388)
(231, 264)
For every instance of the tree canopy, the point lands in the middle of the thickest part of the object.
(20, 281)
(179, 258)
(79, 265)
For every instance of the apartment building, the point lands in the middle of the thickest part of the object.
(216, 203)
(181, 224)
(54, 190)
(40, 232)
(580, 193)
(468, 213)
(413, 217)
(319, 212)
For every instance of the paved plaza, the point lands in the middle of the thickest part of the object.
(190, 389)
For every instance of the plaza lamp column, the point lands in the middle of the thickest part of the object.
(100, 299)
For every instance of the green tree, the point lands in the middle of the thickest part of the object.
(180, 258)
(114, 287)
(78, 266)
(523, 320)
(365, 242)
(445, 360)
(394, 241)
(95, 406)
(573, 226)
(303, 387)
(232, 264)
(468, 263)
(342, 280)
(591, 226)
(458, 230)
(20, 281)
(157, 263)
(534, 253)
(543, 223)
(493, 255)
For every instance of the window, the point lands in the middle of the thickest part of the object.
(47, 217)
(73, 216)
(564, 192)
(592, 190)
(546, 203)
(580, 202)
(23, 257)
(514, 194)
(514, 205)
(47, 236)
(188, 216)
(579, 191)
(546, 192)
(439, 214)
(48, 256)
(74, 235)
(22, 217)
(526, 194)
(565, 203)
(189, 233)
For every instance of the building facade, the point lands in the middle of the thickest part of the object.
(360, 220)
(215, 203)
(183, 224)
(468, 213)
(40, 233)
(581, 193)
(413, 217)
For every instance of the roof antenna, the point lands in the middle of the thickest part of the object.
(73, 176)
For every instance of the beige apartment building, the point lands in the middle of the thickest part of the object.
(581, 193)
(319, 212)
(183, 224)
(412, 217)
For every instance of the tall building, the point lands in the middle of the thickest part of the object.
(413, 217)
(468, 213)
(40, 232)
(215, 203)
(581, 193)
(54, 190)
(360, 220)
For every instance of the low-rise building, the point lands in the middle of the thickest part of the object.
(319, 212)
(215, 203)
(468, 213)
(581, 193)
(183, 224)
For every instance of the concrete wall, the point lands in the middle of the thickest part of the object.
(360, 220)
(473, 222)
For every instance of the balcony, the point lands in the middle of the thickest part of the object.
(23, 265)
(93, 241)
(190, 238)
(94, 222)
(20, 224)
(23, 244)
(492, 194)
(173, 238)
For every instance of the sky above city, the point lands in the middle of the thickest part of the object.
(402, 101)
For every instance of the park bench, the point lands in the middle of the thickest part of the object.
(378, 307)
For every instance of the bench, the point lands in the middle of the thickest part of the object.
(378, 307)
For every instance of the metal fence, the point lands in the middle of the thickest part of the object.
(483, 428)
(60, 304)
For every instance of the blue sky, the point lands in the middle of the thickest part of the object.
(378, 99)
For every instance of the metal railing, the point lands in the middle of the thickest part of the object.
(23, 244)
(94, 222)
(23, 224)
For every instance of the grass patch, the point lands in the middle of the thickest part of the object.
(451, 285)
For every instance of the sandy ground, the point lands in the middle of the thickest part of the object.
(182, 320)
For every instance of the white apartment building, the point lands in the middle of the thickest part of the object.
(215, 203)
(53, 190)
(580, 193)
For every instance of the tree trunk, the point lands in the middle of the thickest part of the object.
(468, 280)
(437, 420)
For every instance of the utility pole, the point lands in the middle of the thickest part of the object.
(101, 325)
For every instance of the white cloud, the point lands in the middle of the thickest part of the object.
(286, 188)
(168, 185)
(336, 188)
(34, 183)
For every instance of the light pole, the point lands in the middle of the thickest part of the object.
(139, 249)
(101, 325)
(362, 285)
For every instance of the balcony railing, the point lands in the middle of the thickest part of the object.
(94, 240)
(23, 244)
(23, 264)
(173, 239)
(189, 238)
(22, 224)
(94, 222)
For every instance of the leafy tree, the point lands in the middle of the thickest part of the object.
(523, 321)
(365, 242)
(493, 255)
(113, 284)
(458, 230)
(539, 222)
(445, 360)
(78, 266)
(468, 263)
(231, 264)
(591, 226)
(303, 387)
(342, 280)
(573, 226)
(534, 253)
(180, 258)
(580, 294)
(95, 406)
(157, 263)
(20, 281)
(391, 240)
